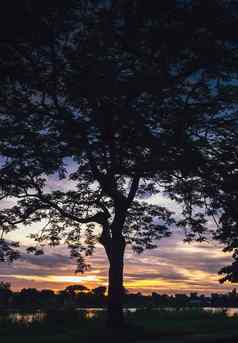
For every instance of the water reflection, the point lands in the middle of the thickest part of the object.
(92, 312)
(229, 311)
(23, 316)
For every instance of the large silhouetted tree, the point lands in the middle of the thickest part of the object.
(131, 96)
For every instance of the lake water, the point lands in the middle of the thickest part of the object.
(230, 311)
(91, 312)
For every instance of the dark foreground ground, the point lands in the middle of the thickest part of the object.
(144, 326)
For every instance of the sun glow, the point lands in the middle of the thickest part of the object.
(58, 278)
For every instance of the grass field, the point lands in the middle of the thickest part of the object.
(144, 326)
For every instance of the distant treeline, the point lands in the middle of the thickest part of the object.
(81, 296)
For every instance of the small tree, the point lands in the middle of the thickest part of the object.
(5, 293)
(99, 291)
(75, 289)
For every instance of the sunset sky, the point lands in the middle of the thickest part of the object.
(174, 267)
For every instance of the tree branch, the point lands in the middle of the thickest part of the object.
(98, 217)
(133, 190)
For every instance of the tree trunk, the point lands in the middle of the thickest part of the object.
(115, 316)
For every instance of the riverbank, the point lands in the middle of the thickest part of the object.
(143, 326)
